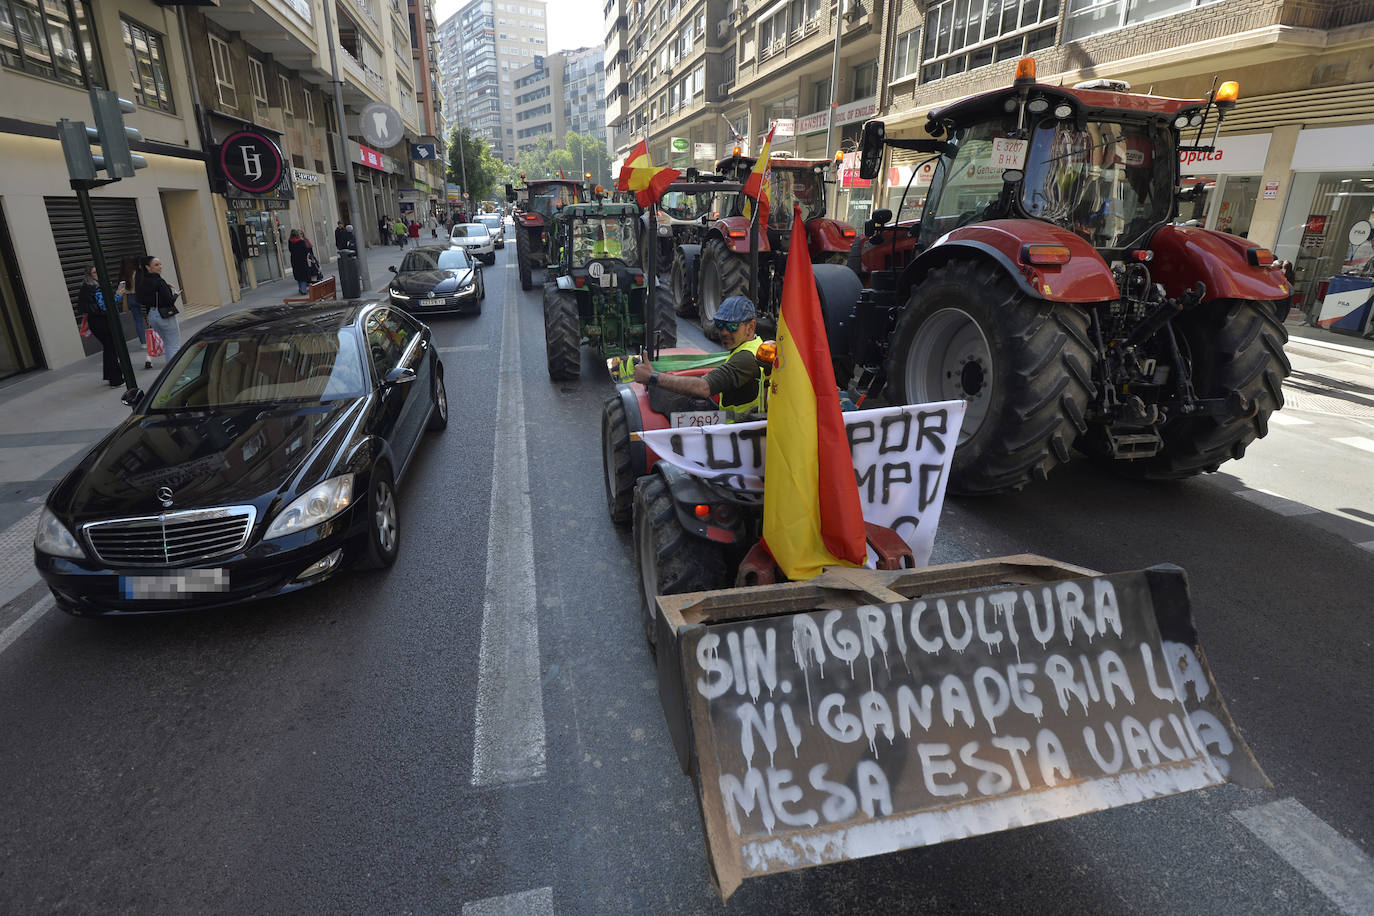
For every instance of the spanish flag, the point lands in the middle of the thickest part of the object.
(639, 175)
(812, 517)
(759, 185)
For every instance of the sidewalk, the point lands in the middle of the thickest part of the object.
(49, 418)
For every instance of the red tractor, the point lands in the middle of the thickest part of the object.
(705, 275)
(1048, 285)
(536, 207)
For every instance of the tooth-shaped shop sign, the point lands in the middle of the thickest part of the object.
(902, 457)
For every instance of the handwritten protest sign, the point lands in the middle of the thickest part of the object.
(827, 735)
(902, 456)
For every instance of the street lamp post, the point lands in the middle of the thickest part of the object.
(834, 99)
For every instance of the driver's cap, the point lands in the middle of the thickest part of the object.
(735, 308)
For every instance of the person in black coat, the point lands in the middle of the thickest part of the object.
(300, 260)
(92, 304)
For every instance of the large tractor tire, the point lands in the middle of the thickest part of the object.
(683, 304)
(1023, 366)
(617, 462)
(723, 274)
(1235, 348)
(663, 318)
(562, 333)
(522, 259)
(671, 561)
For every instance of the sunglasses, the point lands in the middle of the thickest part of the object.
(727, 325)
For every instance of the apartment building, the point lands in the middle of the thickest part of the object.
(1292, 168)
(49, 57)
(240, 132)
(715, 74)
(562, 92)
(490, 40)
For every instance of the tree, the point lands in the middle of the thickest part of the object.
(580, 153)
(484, 171)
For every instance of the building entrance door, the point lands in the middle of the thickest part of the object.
(19, 351)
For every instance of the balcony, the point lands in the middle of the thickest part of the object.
(283, 28)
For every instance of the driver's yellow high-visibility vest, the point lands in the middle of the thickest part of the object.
(759, 403)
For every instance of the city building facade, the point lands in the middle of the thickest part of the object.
(562, 92)
(490, 40)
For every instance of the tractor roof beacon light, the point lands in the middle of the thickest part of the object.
(1025, 79)
(1025, 71)
(739, 151)
(1225, 99)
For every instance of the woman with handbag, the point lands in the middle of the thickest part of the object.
(160, 304)
(128, 280)
(92, 304)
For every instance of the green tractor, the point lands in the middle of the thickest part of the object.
(597, 292)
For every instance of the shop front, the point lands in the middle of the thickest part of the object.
(1228, 180)
(1327, 220)
(313, 212)
(257, 190)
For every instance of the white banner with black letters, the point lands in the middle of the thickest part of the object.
(902, 456)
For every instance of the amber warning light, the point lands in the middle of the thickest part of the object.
(1227, 94)
(1025, 69)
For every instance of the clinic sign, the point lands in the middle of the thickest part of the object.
(251, 162)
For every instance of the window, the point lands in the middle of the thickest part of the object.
(906, 54)
(1092, 17)
(960, 36)
(310, 107)
(287, 106)
(865, 81)
(224, 73)
(821, 99)
(259, 80)
(41, 38)
(147, 65)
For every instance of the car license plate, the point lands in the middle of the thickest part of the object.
(426, 303)
(697, 418)
(168, 586)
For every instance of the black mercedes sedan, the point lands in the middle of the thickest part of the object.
(435, 279)
(264, 459)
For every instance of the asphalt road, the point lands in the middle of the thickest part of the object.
(478, 730)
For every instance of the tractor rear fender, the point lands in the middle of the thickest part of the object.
(723, 522)
(529, 219)
(1183, 255)
(829, 236)
(565, 281)
(634, 398)
(1085, 277)
(734, 231)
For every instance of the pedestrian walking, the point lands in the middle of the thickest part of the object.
(340, 236)
(91, 302)
(351, 239)
(159, 302)
(300, 260)
(414, 230)
(128, 279)
(384, 229)
(399, 231)
(432, 224)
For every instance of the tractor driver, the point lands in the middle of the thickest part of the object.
(740, 382)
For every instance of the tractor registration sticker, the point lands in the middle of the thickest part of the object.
(697, 418)
(1009, 154)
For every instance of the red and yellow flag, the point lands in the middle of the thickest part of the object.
(759, 183)
(812, 517)
(638, 174)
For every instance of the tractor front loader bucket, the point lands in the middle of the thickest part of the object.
(866, 712)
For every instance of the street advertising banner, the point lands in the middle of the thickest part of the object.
(822, 735)
(902, 456)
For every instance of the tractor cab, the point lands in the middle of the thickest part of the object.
(793, 181)
(598, 233)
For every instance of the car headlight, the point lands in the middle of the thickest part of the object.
(318, 504)
(54, 538)
(397, 294)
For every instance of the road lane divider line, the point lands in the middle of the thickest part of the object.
(1283, 419)
(1359, 442)
(466, 348)
(526, 903)
(1280, 505)
(508, 724)
(26, 620)
(1331, 863)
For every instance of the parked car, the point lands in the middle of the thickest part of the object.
(475, 240)
(263, 460)
(496, 225)
(434, 279)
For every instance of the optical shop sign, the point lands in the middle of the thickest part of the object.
(1232, 155)
(902, 456)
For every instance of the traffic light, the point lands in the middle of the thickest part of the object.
(109, 133)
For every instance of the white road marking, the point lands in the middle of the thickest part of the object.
(467, 348)
(1276, 503)
(1366, 545)
(527, 903)
(1359, 442)
(1333, 864)
(1284, 419)
(29, 618)
(508, 724)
